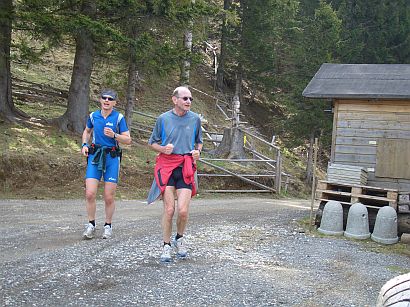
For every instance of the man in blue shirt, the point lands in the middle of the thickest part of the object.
(177, 132)
(105, 129)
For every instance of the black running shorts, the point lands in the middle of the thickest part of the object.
(177, 180)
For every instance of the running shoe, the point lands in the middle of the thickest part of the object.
(181, 247)
(166, 253)
(89, 232)
(107, 232)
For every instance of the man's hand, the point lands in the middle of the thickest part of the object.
(84, 151)
(168, 149)
(195, 154)
(108, 132)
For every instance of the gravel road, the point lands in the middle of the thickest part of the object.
(243, 252)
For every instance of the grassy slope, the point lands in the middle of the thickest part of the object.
(38, 161)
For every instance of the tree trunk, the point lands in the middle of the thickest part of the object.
(239, 69)
(186, 62)
(221, 67)
(7, 109)
(132, 79)
(74, 119)
(231, 146)
(238, 82)
(132, 83)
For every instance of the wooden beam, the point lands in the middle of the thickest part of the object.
(238, 160)
(237, 191)
(239, 176)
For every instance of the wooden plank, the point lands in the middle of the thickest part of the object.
(393, 159)
(213, 141)
(347, 167)
(261, 156)
(397, 184)
(366, 165)
(334, 130)
(347, 180)
(374, 124)
(357, 190)
(238, 160)
(346, 176)
(244, 175)
(341, 202)
(332, 175)
(363, 196)
(381, 181)
(357, 141)
(354, 197)
(381, 134)
(371, 116)
(264, 187)
(398, 106)
(260, 139)
(328, 183)
(392, 195)
(355, 159)
(366, 150)
(236, 191)
(321, 185)
(331, 192)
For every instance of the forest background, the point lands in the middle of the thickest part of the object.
(263, 51)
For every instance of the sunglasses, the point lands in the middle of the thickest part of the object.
(107, 98)
(186, 98)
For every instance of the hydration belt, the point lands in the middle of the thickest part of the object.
(114, 151)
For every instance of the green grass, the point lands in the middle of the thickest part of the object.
(36, 138)
(398, 270)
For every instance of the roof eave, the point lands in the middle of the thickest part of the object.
(353, 96)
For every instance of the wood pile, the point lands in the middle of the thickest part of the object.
(348, 174)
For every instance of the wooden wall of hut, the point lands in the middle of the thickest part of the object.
(374, 134)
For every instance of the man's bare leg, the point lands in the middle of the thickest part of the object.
(168, 213)
(109, 196)
(91, 186)
(184, 199)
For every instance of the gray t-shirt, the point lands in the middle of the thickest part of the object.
(181, 131)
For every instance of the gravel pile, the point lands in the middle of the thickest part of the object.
(250, 252)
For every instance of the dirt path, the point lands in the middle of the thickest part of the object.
(243, 252)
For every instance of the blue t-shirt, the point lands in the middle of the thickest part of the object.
(115, 121)
(181, 131)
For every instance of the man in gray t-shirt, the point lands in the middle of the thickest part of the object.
(177, 132)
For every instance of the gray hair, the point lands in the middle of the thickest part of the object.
(176, 91)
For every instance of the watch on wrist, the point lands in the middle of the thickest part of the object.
(115, 135)
(84, 144)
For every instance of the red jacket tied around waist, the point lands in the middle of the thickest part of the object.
(165, 164)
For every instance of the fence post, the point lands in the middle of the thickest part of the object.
(278, 177)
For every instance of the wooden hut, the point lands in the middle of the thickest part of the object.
(371, 120)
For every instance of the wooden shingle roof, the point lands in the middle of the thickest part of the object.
(386, 81)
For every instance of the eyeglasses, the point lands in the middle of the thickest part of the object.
(186, 98)
(107, 98)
